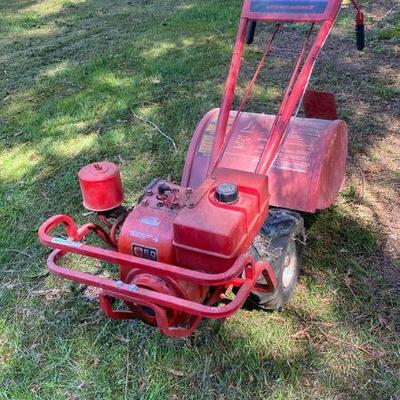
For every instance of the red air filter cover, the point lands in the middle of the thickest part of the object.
(101, 186)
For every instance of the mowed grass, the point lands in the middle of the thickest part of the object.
(73, 74)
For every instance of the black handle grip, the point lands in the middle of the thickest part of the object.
(251, 32)
(360, 36)
(360, 30)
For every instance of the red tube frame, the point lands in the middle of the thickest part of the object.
(73, 245)
(288, 105)
(291, 98)
(134, 294)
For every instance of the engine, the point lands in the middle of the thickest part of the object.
(205, 229)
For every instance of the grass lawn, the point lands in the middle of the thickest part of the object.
(73, 74)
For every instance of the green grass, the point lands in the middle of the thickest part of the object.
(389, 28)
(73, 73)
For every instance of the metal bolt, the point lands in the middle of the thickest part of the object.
(133, 288)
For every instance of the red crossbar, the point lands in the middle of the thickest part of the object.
(134, 294)
(74, 245)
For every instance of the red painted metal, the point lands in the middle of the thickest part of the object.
(74, 245)
(180, 249)
(171, 287)
(227, 100)
(186, 234)
(292, 96)
(290, 102)
(307, 173)
(101, 186)
(150, 226)
(175, 294)
(137, 295)
(202, 243)
(320, 105)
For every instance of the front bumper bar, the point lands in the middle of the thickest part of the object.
(159, 302)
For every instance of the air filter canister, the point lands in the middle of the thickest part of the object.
(101, 186)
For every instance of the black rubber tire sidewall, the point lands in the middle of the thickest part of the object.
(289, 238)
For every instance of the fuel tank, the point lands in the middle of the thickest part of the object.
(307, 173)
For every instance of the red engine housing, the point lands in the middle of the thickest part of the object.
(193, 229)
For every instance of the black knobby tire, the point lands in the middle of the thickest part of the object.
(280, 242)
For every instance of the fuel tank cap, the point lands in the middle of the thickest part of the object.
(227, 193)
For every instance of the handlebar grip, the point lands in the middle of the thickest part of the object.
(251, 32)
(360, 31)
(360, 36)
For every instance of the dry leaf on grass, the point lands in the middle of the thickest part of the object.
(176, 372)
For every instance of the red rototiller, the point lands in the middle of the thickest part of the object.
(182, 247)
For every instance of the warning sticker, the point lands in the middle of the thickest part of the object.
(207, 141)
(206, 144)
(152, 221)
(144, 236)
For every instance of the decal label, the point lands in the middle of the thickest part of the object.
(152, 221)
(145, 252)
(288, 6)
(144, 236)
(288, 167)
(66, 242)
(206, 144)
(208, 138)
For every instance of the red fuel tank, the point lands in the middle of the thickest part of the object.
(212, 234)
